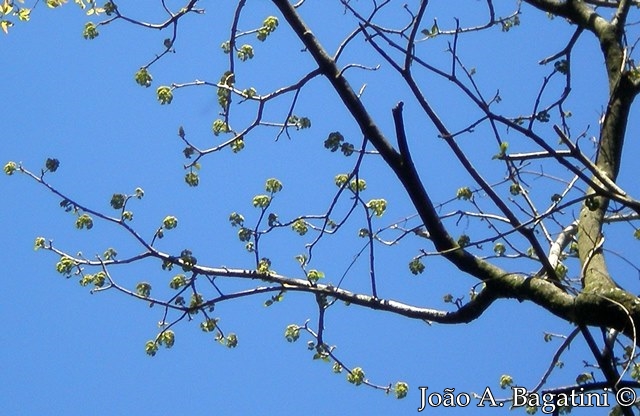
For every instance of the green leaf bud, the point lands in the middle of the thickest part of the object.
(464, 193)
(151, 348)
(178, 281)
(292, 333)
(143, 289)
(300, 226)
(192, 179)
(143, 77)
(378, 206)
(90, 31)
(117, 201)
(170, 222)
(416, 266)
(401, 389)
(231, 341)
(52, 164)
(506, 381)
(10, 168)
(236, 219)
(356, 376)
(84, 221)
(164, 94)
(273, 185)
(245, 52)
(39, 243)
(261, 201)
(314, 275)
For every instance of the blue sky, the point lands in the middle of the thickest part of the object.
(65, 351)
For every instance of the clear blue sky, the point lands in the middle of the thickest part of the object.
(65, 351)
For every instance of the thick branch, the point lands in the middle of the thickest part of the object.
(407, 175)
(601, 310)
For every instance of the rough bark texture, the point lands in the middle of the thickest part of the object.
(601, 303)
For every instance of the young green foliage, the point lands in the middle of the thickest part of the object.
(90, 31)
(151, 348)
(416, 266)
(220, 126)
(401, 389)
(84, 221)
(292, 333)
(504, 146)
(192, 179)
(356, 376)
(249, 92)
(164, 94)
(143, 78)
(274, 299)
(543, 116)
(341, 179)
(236, 219)
(52, 4)
(39, 243)
(273, 186)
(237, 145)
(261, 201)
(272, 220)
(378, 206)
(109, 254)
(209, 325)
(357, 185)
(143, 289)
(299, 122)
(314, 275)
(8, 10)
(433, 32)
(245, 52)
(170, 222)
(464, 240)
(10, 168)
(178, 281)
(52, 164)
(98, 279)
(561, 66)
(584, 378)
(333, 141)
(509, 23)
(227, 81)
(195, 302)
(117, 201)
(231, 340)
(269, 26)
(506, 381)
(300, 226)
(65, 265)
(187, 260)
(464, 193)
(166, 338)
(264, 266)
(336, 141)
(245, 234)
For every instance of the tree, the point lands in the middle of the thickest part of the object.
(534, 186)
